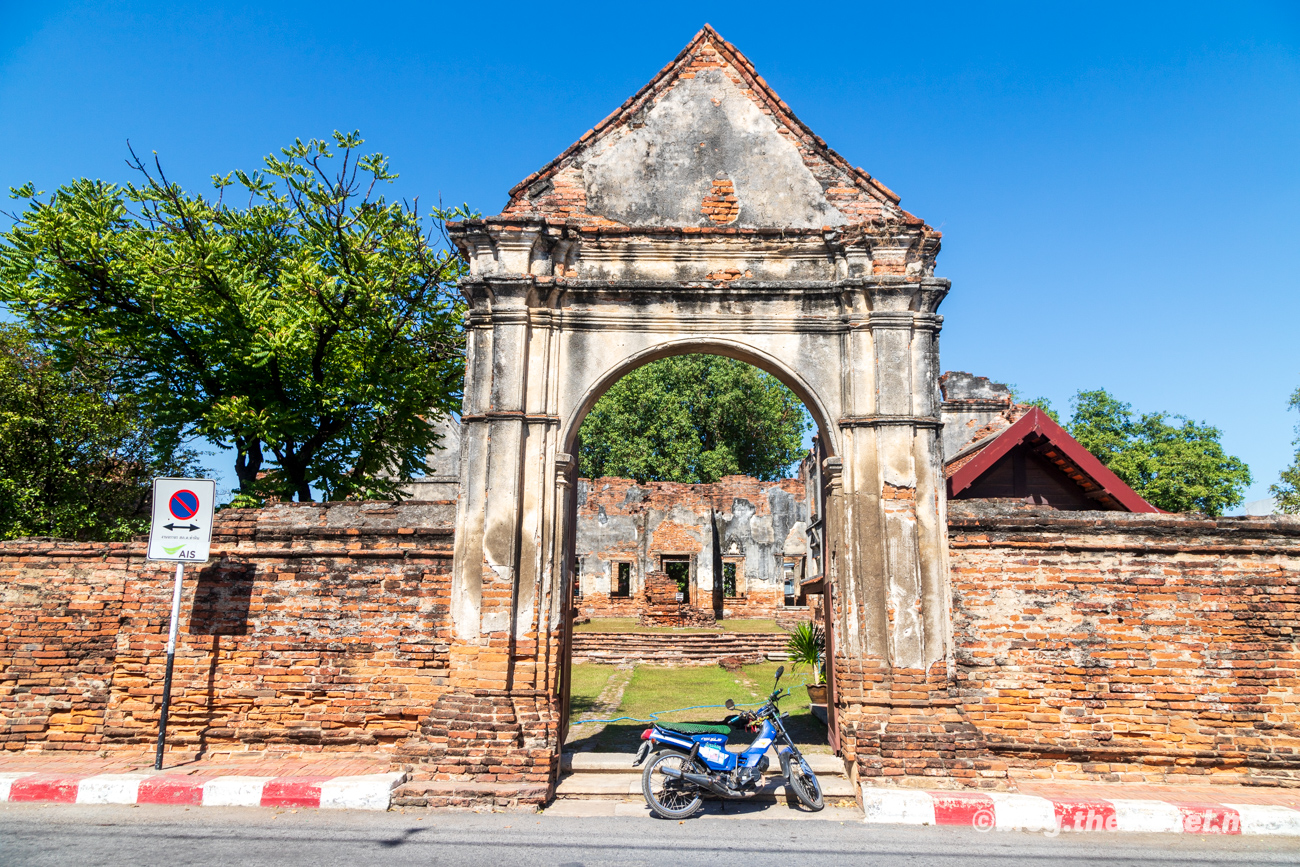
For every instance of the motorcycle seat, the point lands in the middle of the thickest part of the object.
(689, 729)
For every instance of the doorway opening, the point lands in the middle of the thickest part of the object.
(692, 537)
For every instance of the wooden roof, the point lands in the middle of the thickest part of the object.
(1036, 431)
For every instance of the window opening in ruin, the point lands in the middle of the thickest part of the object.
(679, 569)
(577, 579)
(622, 580)
(729, 580)
(791, 591)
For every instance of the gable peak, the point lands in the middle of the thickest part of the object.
(706, 144)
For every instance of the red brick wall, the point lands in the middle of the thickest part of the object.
(1104, 646)
(313, 627)
(1129, 647)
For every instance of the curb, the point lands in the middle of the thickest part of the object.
(989, 811)
(370, 792)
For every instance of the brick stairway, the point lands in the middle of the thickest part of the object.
(696, 648)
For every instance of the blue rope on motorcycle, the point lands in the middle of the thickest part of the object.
(685, 762)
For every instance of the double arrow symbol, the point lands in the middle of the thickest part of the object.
(180, 526)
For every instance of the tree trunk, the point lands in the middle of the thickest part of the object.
(248, 462)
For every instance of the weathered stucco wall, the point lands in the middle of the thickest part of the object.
(1124, 646)
(738, 520)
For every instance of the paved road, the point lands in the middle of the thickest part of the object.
(34, 835)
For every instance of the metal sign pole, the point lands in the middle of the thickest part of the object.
(171, 658)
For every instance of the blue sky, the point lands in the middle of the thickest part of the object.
(1117, 185)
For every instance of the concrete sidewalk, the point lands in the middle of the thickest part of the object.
(224, 780)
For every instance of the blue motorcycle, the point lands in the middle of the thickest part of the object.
(688, 760)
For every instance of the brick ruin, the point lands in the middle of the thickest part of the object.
(974, 640)
(666, 605)
(1087, 645)
(1113, 646)
(740, 543)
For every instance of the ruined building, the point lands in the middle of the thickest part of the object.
(994, 609)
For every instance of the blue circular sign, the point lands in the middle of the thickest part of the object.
(184, 505)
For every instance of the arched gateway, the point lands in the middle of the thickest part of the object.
(701, 216)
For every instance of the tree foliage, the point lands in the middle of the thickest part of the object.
(694, 418)
(1287, 488)
(76, 459)
(314, 328)
(1179, 467)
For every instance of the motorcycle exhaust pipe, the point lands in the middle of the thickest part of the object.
(702, 780)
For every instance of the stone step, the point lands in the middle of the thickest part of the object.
(628, 786)
(823, 765)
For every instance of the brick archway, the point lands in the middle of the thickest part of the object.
(702, 216)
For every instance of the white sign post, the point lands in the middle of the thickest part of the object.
(181, 531)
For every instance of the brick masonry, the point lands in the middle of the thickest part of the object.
(1097, 646)
(1128, 647)
(313, 628)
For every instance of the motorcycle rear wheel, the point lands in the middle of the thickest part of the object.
(805, 785)
(671, 798)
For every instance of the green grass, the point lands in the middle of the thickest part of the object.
(631, 624)
(656, 688)
(588, 681)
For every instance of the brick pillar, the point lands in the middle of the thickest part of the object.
(897, 708)
(494, 735)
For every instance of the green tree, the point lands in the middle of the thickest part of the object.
(1287, 488)
(315, 329)
(76, 459)
(1178, 467)
(693, 418)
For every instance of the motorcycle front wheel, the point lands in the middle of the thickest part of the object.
(805, 785)
(671, 797)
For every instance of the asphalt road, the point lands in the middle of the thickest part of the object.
(33, 835)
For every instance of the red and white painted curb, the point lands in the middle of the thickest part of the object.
(989, 811)
(370, 792)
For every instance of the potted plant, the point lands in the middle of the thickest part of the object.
(807, 646)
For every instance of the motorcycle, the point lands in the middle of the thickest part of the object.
(686, 760)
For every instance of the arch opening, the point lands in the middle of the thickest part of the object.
(657, 564)
(694, 346)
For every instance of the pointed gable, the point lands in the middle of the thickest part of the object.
(705, 145)
(1036, 460)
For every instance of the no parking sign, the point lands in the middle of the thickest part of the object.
(181, 530)
(182, 519)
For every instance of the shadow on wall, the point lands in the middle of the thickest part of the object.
(222, 598)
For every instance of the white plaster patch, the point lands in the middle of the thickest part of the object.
(702, 130)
